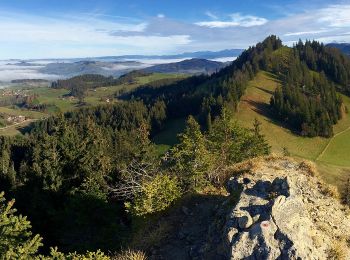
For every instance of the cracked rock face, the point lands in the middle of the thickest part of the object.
(282, 214)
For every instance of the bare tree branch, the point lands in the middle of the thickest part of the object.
(132, 178)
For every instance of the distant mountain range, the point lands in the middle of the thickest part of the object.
(52, 69)
(199, 54)
(211, 55)
(344, 47)
(115, 68)
(190, 66)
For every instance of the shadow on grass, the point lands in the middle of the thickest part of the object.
(26, 129)
(265, 110)
(274, 77)
(270, 92)
(168, 135)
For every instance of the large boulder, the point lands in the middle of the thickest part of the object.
(284, 213)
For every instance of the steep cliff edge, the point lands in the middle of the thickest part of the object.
(285, 212)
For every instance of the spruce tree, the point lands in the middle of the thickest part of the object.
(191, 160)
(16, 239)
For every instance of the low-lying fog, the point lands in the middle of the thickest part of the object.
(59, 69)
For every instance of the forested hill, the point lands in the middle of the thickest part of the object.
(78, 85)
(344, 47)
(311, 74)
(206, 95)
(190, 66)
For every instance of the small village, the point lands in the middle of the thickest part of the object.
(8, 92)
(15, 119)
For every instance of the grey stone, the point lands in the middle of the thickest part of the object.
(292, 218)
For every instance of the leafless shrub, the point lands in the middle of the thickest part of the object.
(132, 179)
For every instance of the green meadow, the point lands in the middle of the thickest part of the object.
(331, 155)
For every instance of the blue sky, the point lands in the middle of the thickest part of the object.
(86, 28)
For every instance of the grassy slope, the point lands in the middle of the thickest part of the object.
(333, 164)
(18, 112)
(94, 97)
(52, 96)
(171, 129)
(15, 129)
(168, 136)
(48, 95)
(255, 104)
(338, 150)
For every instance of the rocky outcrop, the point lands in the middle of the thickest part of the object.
(284, 212)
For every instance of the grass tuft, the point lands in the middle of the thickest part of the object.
(130, 255)
(338, 251)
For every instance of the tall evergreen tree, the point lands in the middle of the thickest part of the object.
(190, 158)
(16, 238)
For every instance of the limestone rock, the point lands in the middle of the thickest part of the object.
(283, 213)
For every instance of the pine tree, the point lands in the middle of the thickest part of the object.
(16, 239)
(229, 143)
(191, 160)
(209, 122)
(260, 145)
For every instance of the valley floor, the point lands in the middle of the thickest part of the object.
(59, 100)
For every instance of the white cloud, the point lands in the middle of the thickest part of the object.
(211, 15)
(217, 24)
(304, 33)
(248, 20)
(160, 15)
(237, 19)
(335, 15)
(17, 28)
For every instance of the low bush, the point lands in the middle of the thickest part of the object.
(156, 195)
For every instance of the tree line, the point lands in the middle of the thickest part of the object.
(78, 85)
(308, 100)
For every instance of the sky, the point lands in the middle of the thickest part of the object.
(84, 28)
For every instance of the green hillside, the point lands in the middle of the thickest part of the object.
(334, 162)
(337, 152)
(255, 104)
